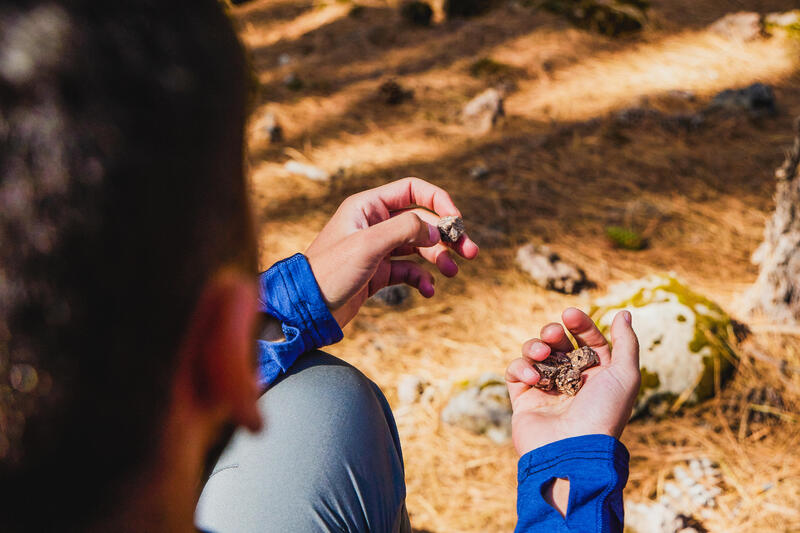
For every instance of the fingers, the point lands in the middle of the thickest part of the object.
(414, 191)
(465, 247)
(626, 345)
(554, 335)
(403, 230)
(536, 350)
(520, 376)
(413, 275)
(586, 333)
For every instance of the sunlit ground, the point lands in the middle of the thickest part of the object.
(557, 175)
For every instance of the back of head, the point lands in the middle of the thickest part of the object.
(121, 193)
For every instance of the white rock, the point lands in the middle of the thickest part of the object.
(410, 389)
(482, 112)
(742, 26)
(393, 295)
(781, 21)
(268, 128)
(549, 271)
(482, 406)
(309, 171)
(682, 335)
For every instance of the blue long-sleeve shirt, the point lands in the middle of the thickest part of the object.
(596, 465)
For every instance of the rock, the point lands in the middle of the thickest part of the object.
(741, 26)
(757, 99)
(785, 24)
(478, 172)
(392, 93)
(482, 406)
(417, 13)
(293, 82)
(683, 338)
(561, 371)
(393, 295)
(410, 389)
(787, 18)
(309, 171)
(481, 113)
(549, 271)
(451, 229)
(284, 59)
(268, 128)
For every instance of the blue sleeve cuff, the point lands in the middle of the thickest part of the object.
(289, 292)
(597, 468)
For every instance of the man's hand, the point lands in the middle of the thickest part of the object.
(352, 257)
(604, 403)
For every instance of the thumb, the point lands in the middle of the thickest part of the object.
(407, 229)
(626, 345)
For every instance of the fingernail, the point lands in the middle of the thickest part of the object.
(528, 374)
(627, 316)
(434, 233)
(427, 289)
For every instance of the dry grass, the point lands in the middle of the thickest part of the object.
(562, 169)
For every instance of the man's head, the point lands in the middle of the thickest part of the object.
(125, 243)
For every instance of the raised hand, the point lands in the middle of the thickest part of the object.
(352, 257)
(602, 406)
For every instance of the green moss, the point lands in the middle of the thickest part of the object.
(625, 238)
(713, 333)
(650, 380)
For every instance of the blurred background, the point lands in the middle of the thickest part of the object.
(588, 143)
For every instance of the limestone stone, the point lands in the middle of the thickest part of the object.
(481, 113)
(549, 271)
(481, 406)
(684, 338)
(451, 228)
(309, 171)
(393, 295)
(741, 26)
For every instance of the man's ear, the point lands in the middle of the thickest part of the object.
(218, 350)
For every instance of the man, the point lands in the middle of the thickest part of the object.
(129, 308)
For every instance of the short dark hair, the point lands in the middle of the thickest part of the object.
(122, 191)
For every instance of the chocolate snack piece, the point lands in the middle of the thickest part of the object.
(562, 371)
(451, 228)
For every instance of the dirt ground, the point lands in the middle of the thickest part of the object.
(562, 166)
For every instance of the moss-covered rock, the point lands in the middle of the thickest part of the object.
(686, 340)
(785, 24)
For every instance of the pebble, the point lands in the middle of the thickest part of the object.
(309, 171)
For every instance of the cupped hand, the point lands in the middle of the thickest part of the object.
(604, 403)
(353, 257)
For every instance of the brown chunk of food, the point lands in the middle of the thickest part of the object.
(562, 371)
(451, 228)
